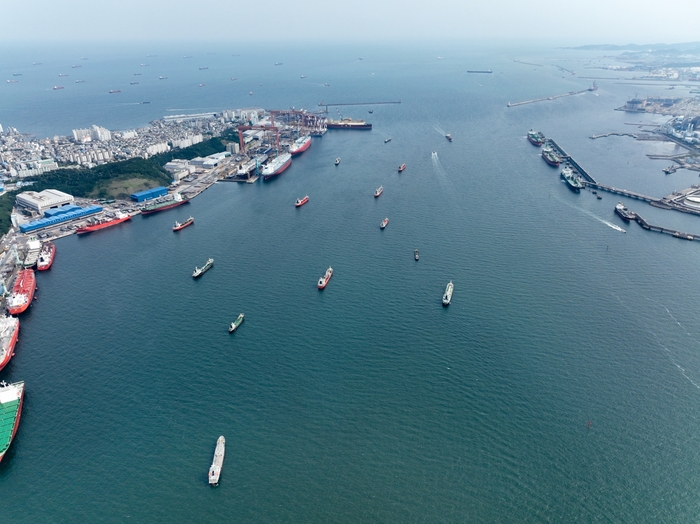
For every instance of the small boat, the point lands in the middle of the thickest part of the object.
(63, 74)
(178, 226)
(384, 223)
(337, 161)
(371, 111)
(12, 81)
(303, 76)
(278, 63)
(448, 137)
(323, 281)
(379, 191)
(80, 81)
(133, 83)
(56, 88)
(202, 85)
(301, 201)
(447, 296)
(250, 94)
(327, 85)
(402, 167)
(233, 79)
(203, 68)
(415, 254)
(199, 271)
(115, 91)
(162, 78)
(598, 196)
(218, 462)
(234, 325)
(387, 140)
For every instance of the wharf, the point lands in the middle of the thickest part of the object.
(554, 97)
(651, 227)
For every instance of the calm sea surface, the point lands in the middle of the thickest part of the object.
(369, 401)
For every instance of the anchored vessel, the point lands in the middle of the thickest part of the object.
(48, 252)
(447, 296)
(384, 223)
(218, 462)
(624, 213)
(448, 137)
(323, 281)
(536, 138)
(572, 180)
(11, 398)
(301, 201)
(163, 205)
(178, 226)
(234, 325)
(337, 161)
(102, 224)
(277, 166)
(402, 167)
(550, 157)
(415, 254)
(300, 145)
(348, 123)
(9, 330)
(379, 191)
(22, 292)
(199, 271)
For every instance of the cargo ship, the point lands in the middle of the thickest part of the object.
(96, 225)
(379, 191)
(218, 462)
(415, 254)
(624, 213)
(301, 201)
(277, 166)
(572, 180)
(199, 271)
(178, 226)
(384, 223)
(11, 398)
(22, 292)
(550, 157)
(163, 205)
(48, 252)
(300, 145)
(536, 138)
(9, 330)
(348, 123)
(234, 325)
(323, 281)
(402, 167)
(447, 296)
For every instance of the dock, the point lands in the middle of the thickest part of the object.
(326, 106)
(554, 97)
(651, 227)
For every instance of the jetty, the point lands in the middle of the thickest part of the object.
(651, 227)
(594, 87)
(593, 137)
(324, 104)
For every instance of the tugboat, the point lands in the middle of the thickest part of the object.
(199, 271)
(178, 226)
(301, 201)
(218, 462)
(624, 213)
(402, 167)
(384, 223)
(323, 281)
(448, 137)
(415, 254)
(337, 161)
(447, 296)
(379, 191)
(234, 325)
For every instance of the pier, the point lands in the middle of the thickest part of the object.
(651, 227)
(554, 97)
(324, 104)
(593, 137)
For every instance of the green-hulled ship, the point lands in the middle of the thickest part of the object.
(162, 205)
(199, 271)
(234, 325)
(572, 180)
(11, 397)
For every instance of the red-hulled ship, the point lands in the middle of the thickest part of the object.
(323, 281)
(178, 226)
(277, 166)
(48, 251)
(102, 224)
(536, 138)
(402, 167)
(379, 191)
(22, 292)
(300, 145)
(301, 201)
(550, 157)
(9, 330)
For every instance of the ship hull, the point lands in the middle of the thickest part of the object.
(165, 208)
(534, 141)
(183, 225)
(44, 264)
(97, 227)
(10, 350)
(552, 163)
(25, 286)
(16, 424)
(359, 127)
(300, 150)
(279, 170)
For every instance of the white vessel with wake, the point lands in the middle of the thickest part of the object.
(218, 462)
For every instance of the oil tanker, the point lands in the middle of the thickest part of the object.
(22, 292)
(9, 330)
(277, 166)
(11, 398)
(300, 145)
(348, 123)
(176, 200)
(104, 223)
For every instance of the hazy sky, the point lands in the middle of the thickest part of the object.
(579, 21)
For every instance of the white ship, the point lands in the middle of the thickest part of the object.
(218, 462)
(447, 297)
(277, 165)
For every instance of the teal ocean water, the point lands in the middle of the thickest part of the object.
(369, 401)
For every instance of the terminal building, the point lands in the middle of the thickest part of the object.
(44, 200)
(149, 194)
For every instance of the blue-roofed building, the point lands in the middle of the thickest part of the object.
(149, 194)
(56, 216)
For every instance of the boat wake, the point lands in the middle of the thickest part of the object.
(442, 176)
(592, 215)
(439, 130)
